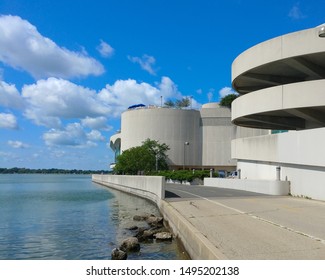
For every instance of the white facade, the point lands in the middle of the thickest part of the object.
(282, 87)
(208, 131)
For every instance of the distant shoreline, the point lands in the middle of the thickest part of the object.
(17, 170)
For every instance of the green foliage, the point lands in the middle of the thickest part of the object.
(179, 103)
(227, 100)
(183, 103)
(145, 158)
(169, 103)
(185, 175)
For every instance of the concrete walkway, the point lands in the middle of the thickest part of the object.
(243, 225)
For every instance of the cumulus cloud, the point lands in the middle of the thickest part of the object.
(96, 123)
(296, 13)
(8, 121)
(95, 136)
(17, 144)
(9, 96)
(124, 93)
(23, 47)
(146, 62)
(72, 135)
(50, 100)
(226, 91)
(105, 49)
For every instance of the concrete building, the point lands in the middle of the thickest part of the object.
(282, 88)
(199, 139)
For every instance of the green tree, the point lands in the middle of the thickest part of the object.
(179, 103)
(159, 152)
(228, 99)
(145, 158)
(169, 103)
(183, 103)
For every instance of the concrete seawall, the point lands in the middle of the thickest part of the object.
(153, 188)
(149, 187)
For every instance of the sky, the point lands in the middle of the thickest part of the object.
(68, 69)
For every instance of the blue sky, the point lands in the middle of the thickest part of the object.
(69, 68)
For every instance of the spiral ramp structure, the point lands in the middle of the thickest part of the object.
(281, 83)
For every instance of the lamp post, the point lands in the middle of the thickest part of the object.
(185, 144)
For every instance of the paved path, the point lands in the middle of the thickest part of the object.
(245, 225)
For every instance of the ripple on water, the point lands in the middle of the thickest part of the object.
(68, 217)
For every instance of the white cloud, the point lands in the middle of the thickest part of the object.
(168, 88)
(96, 136)
(17, 144)
(226, 91)
(72, 135)
(124, 93)
(23, 47)
(8, 121)
(296, 13)
(96, 123)
(105, 49)
(9, 96)
(146, 62)
(50, 100)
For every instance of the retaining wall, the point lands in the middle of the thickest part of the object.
(149, 187)
(271, 187)
(153, 188)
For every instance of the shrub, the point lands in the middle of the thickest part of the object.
(184, 175)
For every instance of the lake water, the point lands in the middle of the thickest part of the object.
(69, 217)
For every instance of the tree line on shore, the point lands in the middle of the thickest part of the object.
(18, 170)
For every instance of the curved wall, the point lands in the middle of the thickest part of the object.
(171, 126)
(282, 87)
(282, 83)
(209, 133)
(217, 131)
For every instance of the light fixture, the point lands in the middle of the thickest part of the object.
(321, 31)
(185, 144)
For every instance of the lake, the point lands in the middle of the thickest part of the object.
(69, 217)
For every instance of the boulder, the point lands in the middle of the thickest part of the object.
(163, 236)
(118, 254)
(140, 217)
(130, 244)
(155, 221)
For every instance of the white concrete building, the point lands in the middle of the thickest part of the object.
(282, 87)
(199, 139)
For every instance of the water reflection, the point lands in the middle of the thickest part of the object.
(68, 217)
(123, 208)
